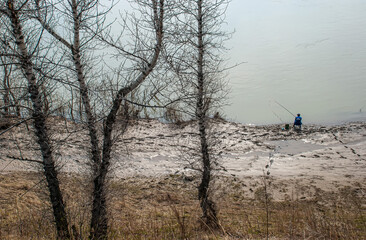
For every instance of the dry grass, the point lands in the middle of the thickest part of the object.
(166, 208)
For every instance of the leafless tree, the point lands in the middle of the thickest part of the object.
(88, 26)
(147, 64)
(14, 16)
(195, 56)
(12, 85)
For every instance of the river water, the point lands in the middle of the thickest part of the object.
(307, 55)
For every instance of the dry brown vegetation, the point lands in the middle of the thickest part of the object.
(166, 208)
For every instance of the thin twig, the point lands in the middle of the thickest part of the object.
(31, 188)
(24, 159)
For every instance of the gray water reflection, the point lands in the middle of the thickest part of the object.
(308, 55)
(294, 147)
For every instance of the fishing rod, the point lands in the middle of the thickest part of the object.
(284, 108)
(277, 116)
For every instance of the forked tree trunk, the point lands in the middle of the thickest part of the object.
(101, 158)
(99, 222)
(39, 122)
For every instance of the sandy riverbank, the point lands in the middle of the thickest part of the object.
(319, 157)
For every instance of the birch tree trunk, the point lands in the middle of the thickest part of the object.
(196, 58)
(207, 206)
(84, 93)
(39, 122)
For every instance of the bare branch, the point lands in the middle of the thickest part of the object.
(25, 159)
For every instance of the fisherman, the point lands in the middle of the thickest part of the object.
(297, 122)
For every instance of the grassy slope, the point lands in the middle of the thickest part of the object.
(166, 208)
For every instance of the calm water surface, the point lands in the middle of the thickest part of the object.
(309, 56)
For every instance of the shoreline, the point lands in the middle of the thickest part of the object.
(319, 157)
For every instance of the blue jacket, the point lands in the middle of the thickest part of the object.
(298, 121)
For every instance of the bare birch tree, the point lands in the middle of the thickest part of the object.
(99, 215)
(197, 46)
(12, 85)
(87, 24)
(14, 16)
